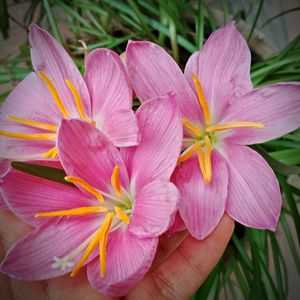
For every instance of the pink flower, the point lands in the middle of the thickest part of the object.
(122, 203)
(221, 113)
(56, 90)
(4, 169)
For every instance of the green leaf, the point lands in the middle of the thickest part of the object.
(49, 173)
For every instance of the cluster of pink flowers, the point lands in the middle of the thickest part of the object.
(180, 160)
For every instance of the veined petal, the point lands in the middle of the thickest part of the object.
(128, 260)
(202, 205)
(108, 84)
(85, 152)
(121, 127)
(31, 258)
(223, 68)
(27, 195)
(4, 167)
(276, 106)
(2, 201)
(161, 137)
(154, 209)
(254, 198)
(49, 56)
(153, 73)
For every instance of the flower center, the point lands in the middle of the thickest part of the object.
(50, 129)
(117, 209)
(201, 140)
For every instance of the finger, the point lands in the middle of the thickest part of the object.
(73, 288)
(167, 245)
(187, 268)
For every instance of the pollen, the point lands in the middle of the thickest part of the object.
(54, 94)
(122, 216)
(191, 127)
(29, 136)
(77, 99)
(115, 181)
(52, 153)
(40, 125)
(226, 126)
(85, 186)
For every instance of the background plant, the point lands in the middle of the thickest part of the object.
(253, 266)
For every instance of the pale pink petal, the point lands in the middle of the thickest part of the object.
(202, 205)
(31, 258)
(22, 149)
(87, 153)
(223, 68)
(178, 225)
(153, 73)
(254, 198)
(154, 209)
(128, 260)
(108, 84)
(49, 56)
(161, 138)
(121, 128)
(276, 106)
(27, 195)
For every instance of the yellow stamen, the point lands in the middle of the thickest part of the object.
(201, 160)
(33, 123)
(52, 153)
(85, 186)
(191, 127)
(115, 180)
(220, 127)
(54, 93)
(120, 213)
(81, 211)
(101, 231)
(103, 244)
(201, 99)
(28, 136)
(207, 159)
(77, 99)
(189, 152)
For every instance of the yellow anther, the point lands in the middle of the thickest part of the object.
(29, 136)
(189, 152)
(120, 213)
(81, 211)
(85, 186)
(201, 99)
(226, 126)
(201, 160)
(207, 159)
(103, 244)
(54, 94)
(191, 127)
(77, 99)
(52, 153)
(103, 230)
(40, 125)
(115, 180)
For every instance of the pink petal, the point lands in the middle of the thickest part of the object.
(178, 225)
(254, 197)
(161, 138)
(223, 68)
(86, 152)
(4, 167)
(49, 56)
(31, 258)
(2, 201)
(108, 84)
(154, 209)
(27, 195)
(29, 100)
(121, 128)
(153, 73)
(202, 205)
(128, 260)
(276, 106)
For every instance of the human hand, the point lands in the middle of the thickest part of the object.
(181, 265)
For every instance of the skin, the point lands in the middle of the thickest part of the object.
(181, 265)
